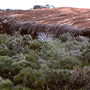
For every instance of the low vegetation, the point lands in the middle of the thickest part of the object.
(61, 63)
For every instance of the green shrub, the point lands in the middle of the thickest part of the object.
(66, 37)
(32, 59)
(36, 45)
(49, 50)
(57, 79)
(42, 64)
(43, 80)
(6, 84)
(4, 38)
(69, 62)
(15, 45)
(20, 87)
(86, 57)
(19, 65)
(5, 66)
(5, 52)
(31, 56)
(82, 39)
(22, 61)
(26, 40)
(20, 56)
(31, 78)
(66, 63)
(54, 64)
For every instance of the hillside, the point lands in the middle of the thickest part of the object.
(64, 15)
(46, 49)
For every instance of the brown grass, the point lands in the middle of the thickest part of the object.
(55, 21)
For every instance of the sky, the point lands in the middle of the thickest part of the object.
(27, 4)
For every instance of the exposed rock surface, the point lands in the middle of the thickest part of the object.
(57, 20)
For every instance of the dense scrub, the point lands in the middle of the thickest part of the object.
(44, 64)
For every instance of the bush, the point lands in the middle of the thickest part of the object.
(26, 39)
(43, 80)
(44, 64)
(86, 57)
(39, 7)
(66, 37)
(4, 38)
(6, 66)
(49, 50)
(4, 84)
(36, 45)
(5, 52)
(57, 79)
(15, 45)
(31, 78)
(31, 56)
(82, 39)
(79, 79)
(20, 87)
(19, 65)
(67, 62)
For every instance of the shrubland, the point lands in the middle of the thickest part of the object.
(61, 63)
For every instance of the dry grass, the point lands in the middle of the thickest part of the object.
(53, 21)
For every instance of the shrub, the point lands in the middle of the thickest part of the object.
(31, 78)
(36, 45)
(27, 39)
(15, 45)
(66, 37)
(5, 52)
(20, 87)
(67, 62)
(82, 39)
(56, 79)
(5, 66)
(86, 57)
(56, 64)
(31, 56)
(79, 79)
(49, 50)
(19, 65)
(12, 43)
(4, 38)
(5, 84)
(43, 80)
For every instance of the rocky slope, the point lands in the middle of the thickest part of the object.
(58, 20)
